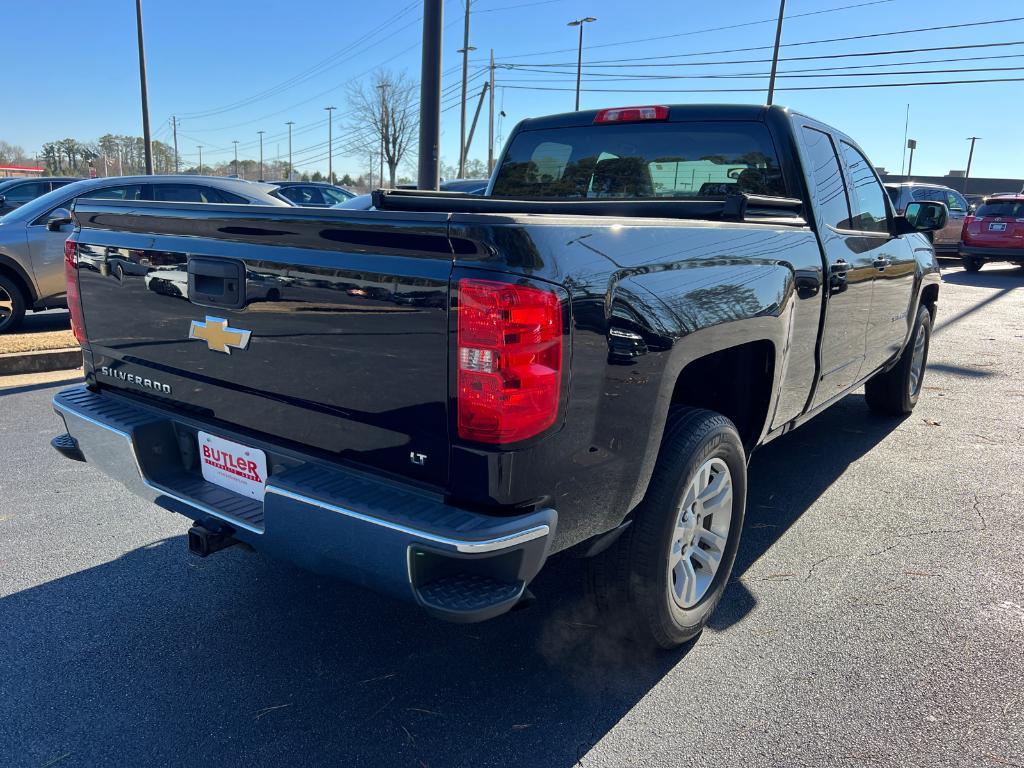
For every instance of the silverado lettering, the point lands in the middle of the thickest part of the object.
(588, 353)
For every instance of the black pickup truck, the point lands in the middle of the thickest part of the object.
(433, 397)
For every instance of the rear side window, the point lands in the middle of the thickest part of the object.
(22, 193)
(1011, 209)
(926, 193)
(641, 161)
(830, 192)
(867, 200)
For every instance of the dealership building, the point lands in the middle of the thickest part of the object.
(8, 171)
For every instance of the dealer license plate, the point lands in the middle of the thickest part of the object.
(234, 466)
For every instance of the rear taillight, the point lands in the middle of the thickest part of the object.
(965, 230)
(510, 360)
(631, 114)
(74, 297)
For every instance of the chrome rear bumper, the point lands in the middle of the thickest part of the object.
(459, 565)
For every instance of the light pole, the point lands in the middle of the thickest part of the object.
(200, 148)
(579, 57)
(775, 55)
(430, 95)
(464, 50)
(290, 123)
(970, 158)
(330, 144)
(235, 142)
(383, 129)
(261, 153)
(145, 94)
(911, 145)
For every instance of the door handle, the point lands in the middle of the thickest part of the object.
(837, 281)
(881, 263)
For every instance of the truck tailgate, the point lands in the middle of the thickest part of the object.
(334, 338)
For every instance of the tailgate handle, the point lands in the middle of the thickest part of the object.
(216, 282)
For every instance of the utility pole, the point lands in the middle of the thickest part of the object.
(147, 140)
(775, 55)
(174, 126)
(490, 121)
(290, 123)
(200, 148)
(579, 56)
(330, 144)
(235, 142)
(906, 129)
(970, 158)
(464, 50)
(262, 175)
(911, 145)
(476, 116)
(383, 129)
(430, 95)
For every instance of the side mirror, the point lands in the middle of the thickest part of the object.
(3, 199)
(57, 219)
(924, 216)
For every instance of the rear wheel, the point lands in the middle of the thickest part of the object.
(12, 305)
(973, 263)
(895, 392)
(662, 580)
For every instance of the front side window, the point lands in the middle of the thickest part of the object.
(830, 192)
(955, 202)
(867, 200)
(332, 196)
(126, 192)
(303, 195)
(652, 161)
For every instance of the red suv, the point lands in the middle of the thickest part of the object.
(995, 232)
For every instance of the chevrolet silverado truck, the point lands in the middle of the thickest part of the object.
(433, 397)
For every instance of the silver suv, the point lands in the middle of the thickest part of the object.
(946, 241)
(32, 236)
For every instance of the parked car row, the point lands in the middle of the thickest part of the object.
(35, 221)
(32, 235)
(978, 230)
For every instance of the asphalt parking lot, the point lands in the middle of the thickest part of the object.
(876, 615)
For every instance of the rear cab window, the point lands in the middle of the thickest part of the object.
(652, 161)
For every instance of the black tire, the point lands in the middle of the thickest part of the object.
(631, 581)
(972, 263)
(10, 318)
(893, 392)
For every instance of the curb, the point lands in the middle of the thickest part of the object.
(40, 362)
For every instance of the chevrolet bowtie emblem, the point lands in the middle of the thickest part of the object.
(218, 336)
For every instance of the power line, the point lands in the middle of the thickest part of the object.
(785, 45)
(706, 30)
(758, 90)
(611, 63)
(326, 63)
(618, 77)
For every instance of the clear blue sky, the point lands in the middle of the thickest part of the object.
(204, 56)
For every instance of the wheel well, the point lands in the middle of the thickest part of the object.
(26, 289)
(735, 382)
(930, 297)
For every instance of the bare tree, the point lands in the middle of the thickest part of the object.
(382, 114)
(12, 154)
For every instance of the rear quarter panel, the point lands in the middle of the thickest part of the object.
(688, 289)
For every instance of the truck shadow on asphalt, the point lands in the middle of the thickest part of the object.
(159, 658)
